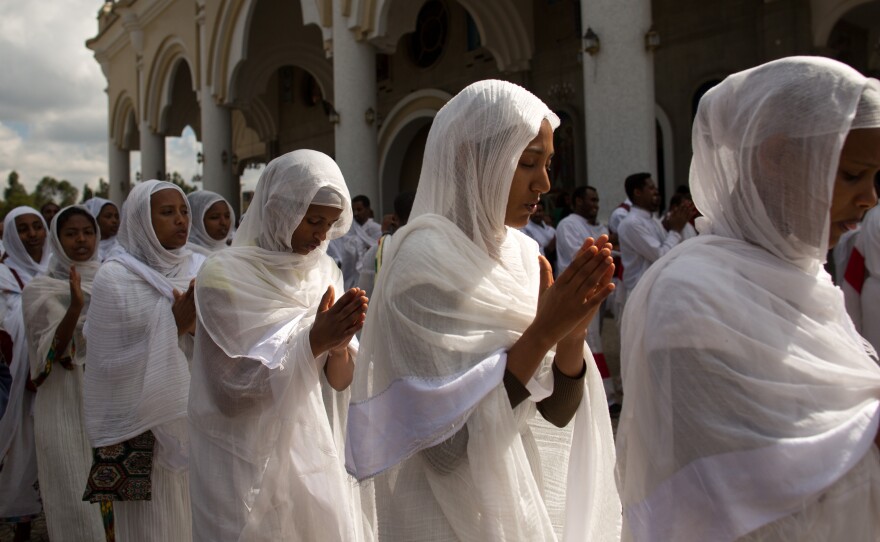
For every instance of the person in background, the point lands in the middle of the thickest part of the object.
(372, 260)
(212, 222)
(49, 210)
(107, 215)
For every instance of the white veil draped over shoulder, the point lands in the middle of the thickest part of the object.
(457, 288)
(749, 392)
(263, 419)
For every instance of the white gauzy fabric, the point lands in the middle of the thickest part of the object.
(456, 289)
(64, 455)
(268, 464)
(18, 494)
(752, 403)
(868, 306)
(138, 370)
(17, 256)
(95, 205)
(199, 240)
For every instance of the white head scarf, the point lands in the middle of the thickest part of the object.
(142, 252)
(17, 256)
(456, 289)
(749, 392)
(264, 283)
(95, 206)
(60, 262)
(475, 147)
(200, 201)
(750, 171)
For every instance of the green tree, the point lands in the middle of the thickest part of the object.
(15, 194)
(178, 179)
(103, 191)
(51, 189)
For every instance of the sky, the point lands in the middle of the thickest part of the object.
(53, 108)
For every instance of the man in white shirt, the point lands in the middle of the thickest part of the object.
(540, 231)
(571, 233)
(643, 239)
(618, 214)
(675, 201)
(364, 233)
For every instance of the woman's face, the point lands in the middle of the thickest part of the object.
(218, 220)
(854, 190)
(108, 221)
(531, 178)
(32, 234)
(170, 218)
(312, 231)
(78, 237)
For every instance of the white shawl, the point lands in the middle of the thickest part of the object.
(138, 375)
(199, 240)
(748, 391)
(17, 257)
(106, 246)
(457, 288)
(269, 467)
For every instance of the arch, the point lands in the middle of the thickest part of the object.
(826, 14)
(306, 56)
(121, 117)
(668, 148)
(505, 28)
(160, 80)
(405, 119)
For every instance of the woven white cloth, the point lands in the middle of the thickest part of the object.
(138, 370)
(199, 240)
(751, 402)
(106, 246)
(457, 288)
(18, 494)
(64, 455)
(265, 424)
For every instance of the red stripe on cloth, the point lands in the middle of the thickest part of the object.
(602, 366)
(855, 270)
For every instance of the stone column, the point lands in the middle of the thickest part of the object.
(618, 96)
(152, 153)
(354, 93)
(218, 173)
(120, 176)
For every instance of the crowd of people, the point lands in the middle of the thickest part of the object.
(314, 375)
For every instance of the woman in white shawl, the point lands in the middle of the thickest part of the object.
(458, 352)
(267, 345)
(137, 382)
(55, 307)
(752, 405)
(27, 256)
(107, 215)
(212, 222)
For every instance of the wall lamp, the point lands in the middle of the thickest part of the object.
(652, 40)
(592, 45)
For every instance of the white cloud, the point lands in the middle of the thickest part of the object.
(53, 109)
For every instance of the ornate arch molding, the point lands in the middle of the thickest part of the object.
(401, 124)
(160, 79)
(123, 110)
(229, 45)
(826, 14)
(505, 28)
(260, 119)
(253, 76)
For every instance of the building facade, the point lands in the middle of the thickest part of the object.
(361, 80)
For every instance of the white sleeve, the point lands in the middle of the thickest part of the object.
(635, 235)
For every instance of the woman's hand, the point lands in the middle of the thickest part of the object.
(336, 323)
(77, 300)
(566, 306)
(184, 310)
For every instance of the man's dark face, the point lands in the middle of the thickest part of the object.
(648, 196)
(360, 211)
